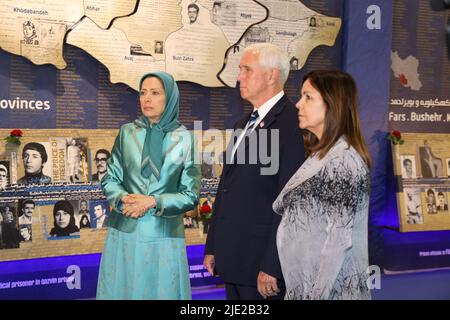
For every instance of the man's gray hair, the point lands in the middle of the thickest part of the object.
(271, 56)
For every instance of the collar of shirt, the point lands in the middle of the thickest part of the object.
(262, 112)
(266, 107)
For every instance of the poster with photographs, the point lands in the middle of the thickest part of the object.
(423, 170)
(197, 221)
(9, 228)
(55, 199)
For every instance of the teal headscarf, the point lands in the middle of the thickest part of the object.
(152, 153)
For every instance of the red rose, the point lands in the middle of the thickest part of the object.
(205, 209)
(16, 133)
(396, 134)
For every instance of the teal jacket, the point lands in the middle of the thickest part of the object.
(176, 192)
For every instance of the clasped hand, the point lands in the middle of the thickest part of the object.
(136, 205)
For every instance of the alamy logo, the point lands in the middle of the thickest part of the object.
(374, 279)
(374, 20)
(74, 281)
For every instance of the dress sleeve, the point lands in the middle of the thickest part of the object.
(348, 187)
(112, 182)
(173, 204)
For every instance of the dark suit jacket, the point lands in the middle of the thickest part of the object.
(242, 235)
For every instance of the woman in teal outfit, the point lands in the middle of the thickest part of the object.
(151, 181)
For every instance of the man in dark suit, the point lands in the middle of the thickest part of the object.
(101, 218)
(241, 244)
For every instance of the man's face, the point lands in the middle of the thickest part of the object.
(28, 210)
(100, 161)
(32, 161)
(83, 205)
(430, 198)
(98, 210)
(441, 199)
(192, 13)
(252, 77)
(28, 31)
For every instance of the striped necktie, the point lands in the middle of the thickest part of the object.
(251, 123)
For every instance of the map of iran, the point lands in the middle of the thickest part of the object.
(125, 61)
(200, 41)
(406, 70)
(293, 27)
(36, 29)
(102, 12)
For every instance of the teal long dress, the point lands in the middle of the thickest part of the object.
(145, 258)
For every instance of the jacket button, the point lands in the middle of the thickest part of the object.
(225, 190)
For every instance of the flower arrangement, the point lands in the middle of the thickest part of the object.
(395, 137)
(14, 137)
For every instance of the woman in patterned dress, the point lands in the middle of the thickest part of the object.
(322, 237)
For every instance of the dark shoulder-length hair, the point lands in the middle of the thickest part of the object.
(339, 92)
